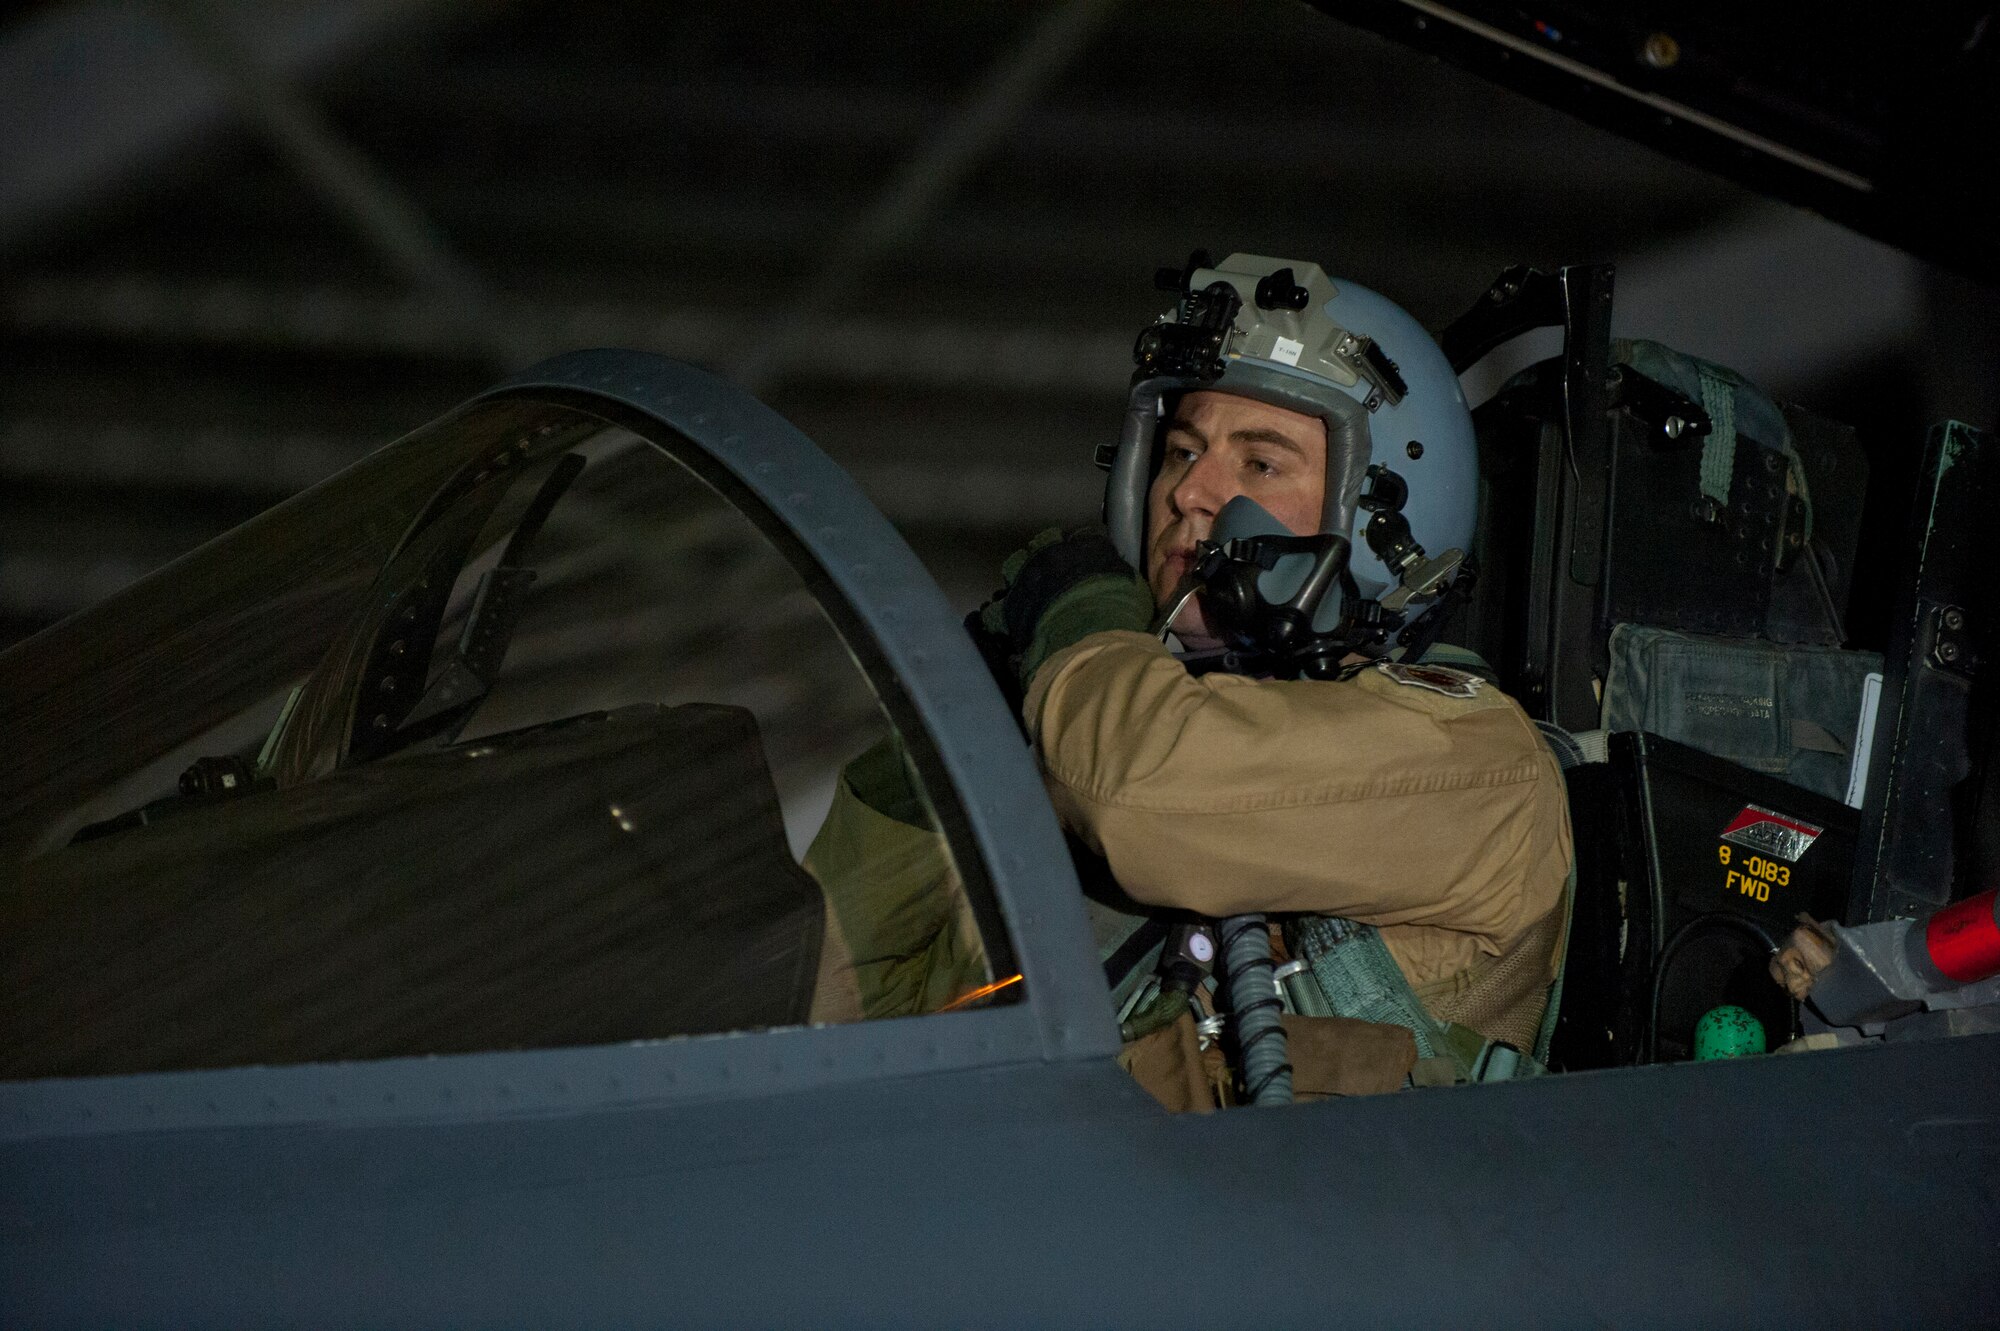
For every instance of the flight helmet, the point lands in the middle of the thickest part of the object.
(1399, 434)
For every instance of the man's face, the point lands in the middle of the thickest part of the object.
(1219, 446)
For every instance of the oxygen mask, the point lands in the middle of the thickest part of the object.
(1259, 581)
(1287, 605)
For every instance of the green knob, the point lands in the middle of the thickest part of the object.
(1728, 1032)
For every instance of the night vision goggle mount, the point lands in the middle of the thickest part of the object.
(1265, 592)
(1191, 346)
(1196, 342)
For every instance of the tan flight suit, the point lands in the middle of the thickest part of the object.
(1439, 819)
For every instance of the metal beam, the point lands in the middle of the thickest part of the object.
(942, 353)
(585, 225)
(927, 179)
(94, 94)
(1338, 135)
(344, 178)
(1785, 297)
(245, 461)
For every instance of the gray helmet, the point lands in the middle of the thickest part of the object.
(1282, 332)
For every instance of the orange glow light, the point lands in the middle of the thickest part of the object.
(983, 991)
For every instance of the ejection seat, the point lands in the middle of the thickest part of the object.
(1665, 556)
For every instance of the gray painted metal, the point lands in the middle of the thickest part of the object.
(990, 1167)
(534, 1083)
(1851, 1188)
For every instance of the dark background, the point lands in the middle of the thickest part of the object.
(243, 244)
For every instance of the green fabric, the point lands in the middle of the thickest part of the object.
(1010, 568)
(1356, 977)
(1738, 410)
(1098, 603)
(1792, 712)
(881, 779)
(993, 615)
(1095, 605)
(1460, 658)
(1718, 454)
(1160, 1011)
(893, 890)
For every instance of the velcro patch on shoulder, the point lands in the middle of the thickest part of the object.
(1438, 679)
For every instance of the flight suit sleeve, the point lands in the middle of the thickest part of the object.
(1382, 801)
(901, 938)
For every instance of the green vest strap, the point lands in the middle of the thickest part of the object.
(1349, 967)
(1349, 973)
(1718, 455)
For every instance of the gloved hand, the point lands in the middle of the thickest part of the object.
(1060, 590)
(1805, 954)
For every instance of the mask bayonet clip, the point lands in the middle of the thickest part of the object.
(1366, 359)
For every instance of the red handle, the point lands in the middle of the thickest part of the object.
(1964, 938)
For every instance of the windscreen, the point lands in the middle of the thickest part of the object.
(588, 762)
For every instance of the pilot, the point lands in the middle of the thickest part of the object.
(1298, 758)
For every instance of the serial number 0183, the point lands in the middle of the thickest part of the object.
(1753, 876)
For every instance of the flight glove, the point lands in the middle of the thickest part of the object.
(1059, 590)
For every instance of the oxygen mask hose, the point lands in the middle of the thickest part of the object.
(1247, 970)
